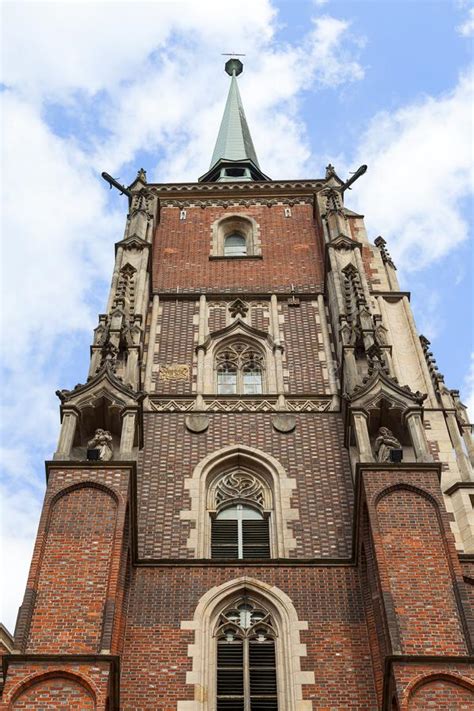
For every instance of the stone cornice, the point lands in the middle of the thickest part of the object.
(239, 187)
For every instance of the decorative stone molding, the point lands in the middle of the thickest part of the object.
(236, 187)
(257, 464)
(197, 423)
(284, 622)
(284, 423)
(238, 308)
(238, 405)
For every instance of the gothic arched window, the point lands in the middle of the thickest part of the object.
(239, 525)
(239, 370)
(235, 245)
(246, 661)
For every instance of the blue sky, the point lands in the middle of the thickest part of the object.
(92, 86)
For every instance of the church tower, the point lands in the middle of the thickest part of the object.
(262, 494)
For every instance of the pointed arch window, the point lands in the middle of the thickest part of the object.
(246, 661)
(239, 524)
(235, 245)
(239, 370)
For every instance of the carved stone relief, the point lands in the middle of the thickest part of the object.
(175, 371)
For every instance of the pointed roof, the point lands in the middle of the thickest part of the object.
(234, 146)
(234, 141)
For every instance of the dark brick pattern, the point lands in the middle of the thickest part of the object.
(291, 252)
(217, 316)
(260, 315)
(176, 343)
(313, 455)
(302, 350)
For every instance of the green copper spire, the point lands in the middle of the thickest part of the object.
(234, 156)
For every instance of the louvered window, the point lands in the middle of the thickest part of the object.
(240, 532)
(246, 664)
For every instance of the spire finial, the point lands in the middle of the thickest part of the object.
(234, 156)
(234, 67)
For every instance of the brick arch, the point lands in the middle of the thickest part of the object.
(41, 681)
(264, 464)
(73, 574)
(87, 484)
(408, 487)
(419, 569)
(203, 653)
(459, 697)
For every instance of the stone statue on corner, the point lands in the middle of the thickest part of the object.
(102, 440)
(385, 441)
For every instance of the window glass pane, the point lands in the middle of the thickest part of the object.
(252, 381)
(227, 381)
(239, 512)
(235, 245)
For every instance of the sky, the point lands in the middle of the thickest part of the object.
(113, 86)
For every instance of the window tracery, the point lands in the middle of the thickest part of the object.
(239, 486)
(246, 661)
(239, 522)
(239, 369)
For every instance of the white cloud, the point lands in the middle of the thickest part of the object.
(466, 28)
(19, 518)
(97, 45)
(420, 171)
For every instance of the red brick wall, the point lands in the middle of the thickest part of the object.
(156, 657)
(313, 454)
(74, 574)
(291, 251)
(418, 572)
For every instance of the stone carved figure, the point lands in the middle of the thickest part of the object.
(102, 440)
(385, 441)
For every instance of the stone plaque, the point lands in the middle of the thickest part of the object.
(175, 371)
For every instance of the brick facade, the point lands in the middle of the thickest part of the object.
(372, 602)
